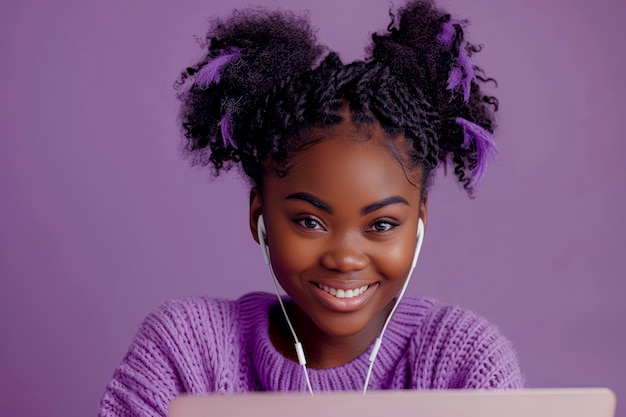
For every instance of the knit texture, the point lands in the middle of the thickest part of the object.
(203, 345)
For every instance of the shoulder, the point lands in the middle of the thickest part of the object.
(457, 348)
(160, 360)
(182, 315)
(179, 321)
(183, 345)
(192, 315)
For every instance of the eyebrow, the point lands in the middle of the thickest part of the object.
(396, 199)
(311, 200)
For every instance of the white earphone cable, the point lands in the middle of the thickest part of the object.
(379, 339)
(298, 345)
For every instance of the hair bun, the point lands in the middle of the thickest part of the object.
(424, 47)
(248, 53)
(264, 43)
(407, 46)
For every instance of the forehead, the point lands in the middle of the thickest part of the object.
(359, 162)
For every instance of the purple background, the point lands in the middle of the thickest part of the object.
(100, 220)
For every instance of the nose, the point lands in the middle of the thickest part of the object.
(344, 255)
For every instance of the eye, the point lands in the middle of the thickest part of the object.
(310, 223)
(383, 226)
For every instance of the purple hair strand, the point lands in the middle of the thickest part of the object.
(484, 144)
(211, 72)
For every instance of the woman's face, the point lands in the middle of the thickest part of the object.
(341, 229)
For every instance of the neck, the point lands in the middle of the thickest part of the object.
(321, 349)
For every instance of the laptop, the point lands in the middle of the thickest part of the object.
(569, 402)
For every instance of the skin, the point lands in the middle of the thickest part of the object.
(344, 216)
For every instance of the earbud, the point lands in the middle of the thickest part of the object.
(261, 226)
(262, 234)
(420, 237)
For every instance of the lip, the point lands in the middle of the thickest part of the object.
(343, 305)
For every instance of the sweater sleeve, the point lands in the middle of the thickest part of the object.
(174, 351)
(460, 350)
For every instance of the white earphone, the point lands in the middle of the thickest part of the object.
(262, 234)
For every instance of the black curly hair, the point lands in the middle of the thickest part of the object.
(265, 82)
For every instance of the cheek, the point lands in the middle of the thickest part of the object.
(394, 260)
(291, 256)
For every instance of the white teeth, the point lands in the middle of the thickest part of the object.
(339, 293)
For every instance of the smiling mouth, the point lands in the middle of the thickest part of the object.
(341, 293)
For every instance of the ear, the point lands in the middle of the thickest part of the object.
(256, 209)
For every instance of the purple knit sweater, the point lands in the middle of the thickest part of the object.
(202, 345)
